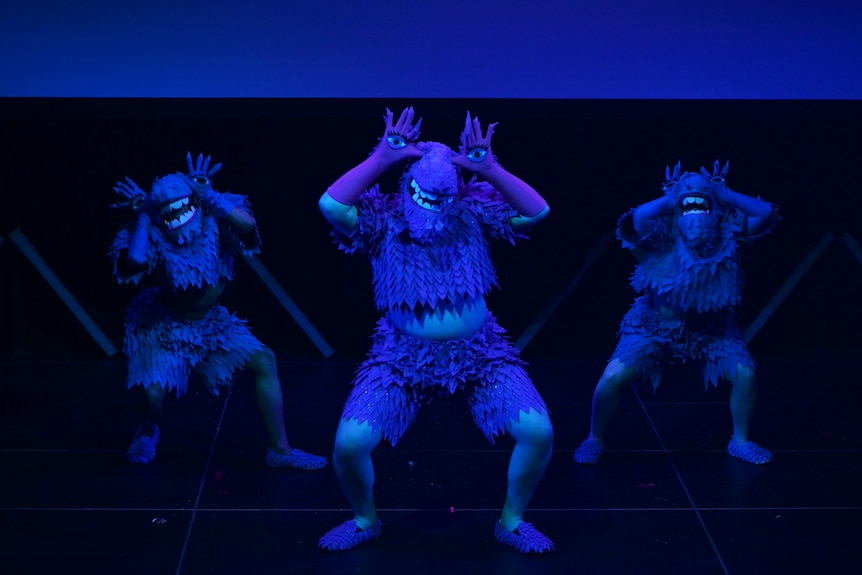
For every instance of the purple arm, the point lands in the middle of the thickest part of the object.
(140, 242)
(476, 156)
(138, 200)
(396, 145)
(646, 214)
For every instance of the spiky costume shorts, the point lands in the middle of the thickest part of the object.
(166, 348)
(403, 372)
(648, 337)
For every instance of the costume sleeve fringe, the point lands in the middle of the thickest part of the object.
(370, 223)
(124, 271)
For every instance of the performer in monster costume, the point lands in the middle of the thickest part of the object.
(687, 243)
(428, 246)
(186, 237)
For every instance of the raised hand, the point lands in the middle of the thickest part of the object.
(136, 198)
(200, 173)
(717, 179)
(399, 137)
(475, 150)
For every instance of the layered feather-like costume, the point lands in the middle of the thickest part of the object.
(177, 327)
(688, 304)
(423, 262)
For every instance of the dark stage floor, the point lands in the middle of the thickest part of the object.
(666, 499)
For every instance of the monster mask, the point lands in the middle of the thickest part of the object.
(697, 209)
(430, 186)
(176, 208)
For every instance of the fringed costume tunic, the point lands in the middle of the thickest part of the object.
(177, 328)
(441, 262)
(688, 302)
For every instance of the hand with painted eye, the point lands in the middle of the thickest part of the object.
(199, 176)
(399, 138)
(136, 198)
(475, 151)
(717, 180)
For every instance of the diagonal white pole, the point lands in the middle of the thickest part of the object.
(853, 246)
(788, 286)
(555, 302)
(33, 256)
(291, 307)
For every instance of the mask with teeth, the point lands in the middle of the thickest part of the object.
(430, 186)
(697, 212)
(177, 209)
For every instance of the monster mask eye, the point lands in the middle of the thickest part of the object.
(717, 180)
(202, 181)
(396, 141)
(477, 154)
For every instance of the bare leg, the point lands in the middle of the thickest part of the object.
(742, 400)
(351, 458)
(270, 399)
(143, 447)
(534, 438)
(606, 397)
(271, 403)
(152, 403)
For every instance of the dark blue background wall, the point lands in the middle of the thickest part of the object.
(733, 49)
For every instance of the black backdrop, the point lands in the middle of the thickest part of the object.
(592, 160)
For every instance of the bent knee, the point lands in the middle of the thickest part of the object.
(263, 361)
(745, 378)
(616, 375)
(534, 427)
(353, 438)
(155, 393)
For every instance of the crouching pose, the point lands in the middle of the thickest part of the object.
(186, 236)
(428, 246)
(687, 244)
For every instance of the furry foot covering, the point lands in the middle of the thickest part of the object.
(349, 535)
(296, 459)
(750, 452)
(525, 538)
(143, 447)
(589, 451)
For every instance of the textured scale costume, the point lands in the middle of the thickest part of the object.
(166, 336)
(429, 252)
(438, 263)
(689, 277)
(186, 238)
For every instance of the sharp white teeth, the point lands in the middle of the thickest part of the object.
(177, 205)
(693, 200)
(184, 218)
(427, 200)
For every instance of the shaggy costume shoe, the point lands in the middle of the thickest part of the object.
(525, 538)
(143, 447)
(349, 535)
(589, 451)
(296, 459)
(750, 452)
